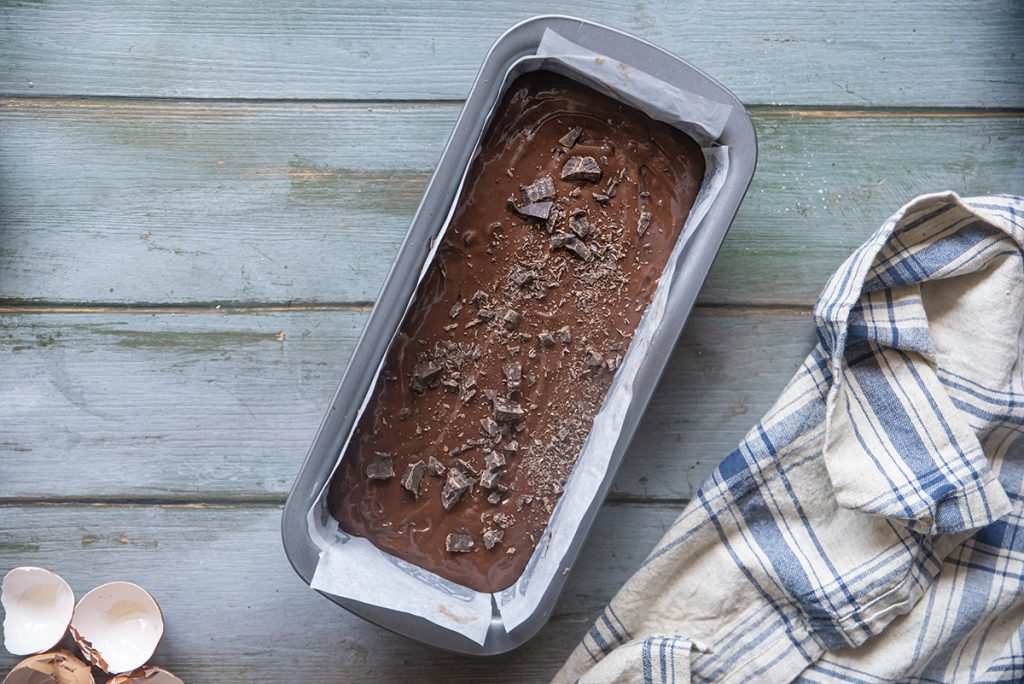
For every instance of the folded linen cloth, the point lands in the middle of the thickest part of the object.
(869, 528)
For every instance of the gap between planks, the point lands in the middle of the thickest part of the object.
(85, 102)
(14, 308)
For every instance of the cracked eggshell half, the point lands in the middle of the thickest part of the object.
(59, 667)
(117, 626)
(147, 675)
(38, 605)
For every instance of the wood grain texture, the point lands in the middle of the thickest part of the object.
(185, 202)
(873, 53)
(235, 611)
(185, 407)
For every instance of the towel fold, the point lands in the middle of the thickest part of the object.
(881, 496)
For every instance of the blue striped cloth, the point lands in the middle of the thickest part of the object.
(868, 529)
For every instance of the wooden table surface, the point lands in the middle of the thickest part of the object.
(199, 202)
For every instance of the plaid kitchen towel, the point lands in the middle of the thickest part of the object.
(869, 528)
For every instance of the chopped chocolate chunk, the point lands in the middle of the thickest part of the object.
(460, 541)
(490, 394)
(494, 498)
(512, 446)
(450, 385)
(506, 411)
(513, 373)
(486, 314)
(524, 500)
(613, 187)
(575, 192)
(564, 336)
(426, 374)
(467, 467)
(541, 189)
(537, 210)
(479, 298)
(510, 318)
(381, 467)
(578, 223)
(581, 169)
(559, 240)
(494, 460)
(489, 480)
(456, 308)
(578, 248)
(522, 277)
(546, 338)
(644, 223)
(504, 520)
(435, 467)
(412, 477)
(492, 538)
(594, 359)
(571, 138)
(489, 425)
(455, 486)
(601, 198)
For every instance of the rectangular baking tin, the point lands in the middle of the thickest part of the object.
(400, 286)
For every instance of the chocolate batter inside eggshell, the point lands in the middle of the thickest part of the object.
(568, 215)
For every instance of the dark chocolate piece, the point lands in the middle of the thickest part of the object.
(494, 498)
(513, 373)
(382, 467)
(492, 538)
(455, 486)
(489, 480)
(581, 169)
(601, 198)
(510, 319)
(460, 541)
(412, 476)
(435, 467)
(564, 336)
(643, 223)
(572, 137)
(541, 189)
(546, 338)
(467, 467)
(494, 460)
(490, 426)
(537, 210)
(427, 374)
(506, 411)
(578, 223)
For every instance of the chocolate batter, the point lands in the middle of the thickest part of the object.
(490, 388)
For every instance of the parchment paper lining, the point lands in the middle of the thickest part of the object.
(351, 567)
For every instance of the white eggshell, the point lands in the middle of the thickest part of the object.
(117, 626)
(38, 606)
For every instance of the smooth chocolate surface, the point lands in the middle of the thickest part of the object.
(505, 357)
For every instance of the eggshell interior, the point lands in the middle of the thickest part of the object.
(118, 626)
(38, 605)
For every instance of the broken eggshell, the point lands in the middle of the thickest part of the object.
(117, 626)
(59, 667)
(38, 605)
(147, 675)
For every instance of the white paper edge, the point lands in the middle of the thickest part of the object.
(397, 585)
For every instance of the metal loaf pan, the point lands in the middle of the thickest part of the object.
(401, 284)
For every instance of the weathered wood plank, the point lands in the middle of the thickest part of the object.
(867, 53)
(200, 405)
(188, 202)
(235, 611)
